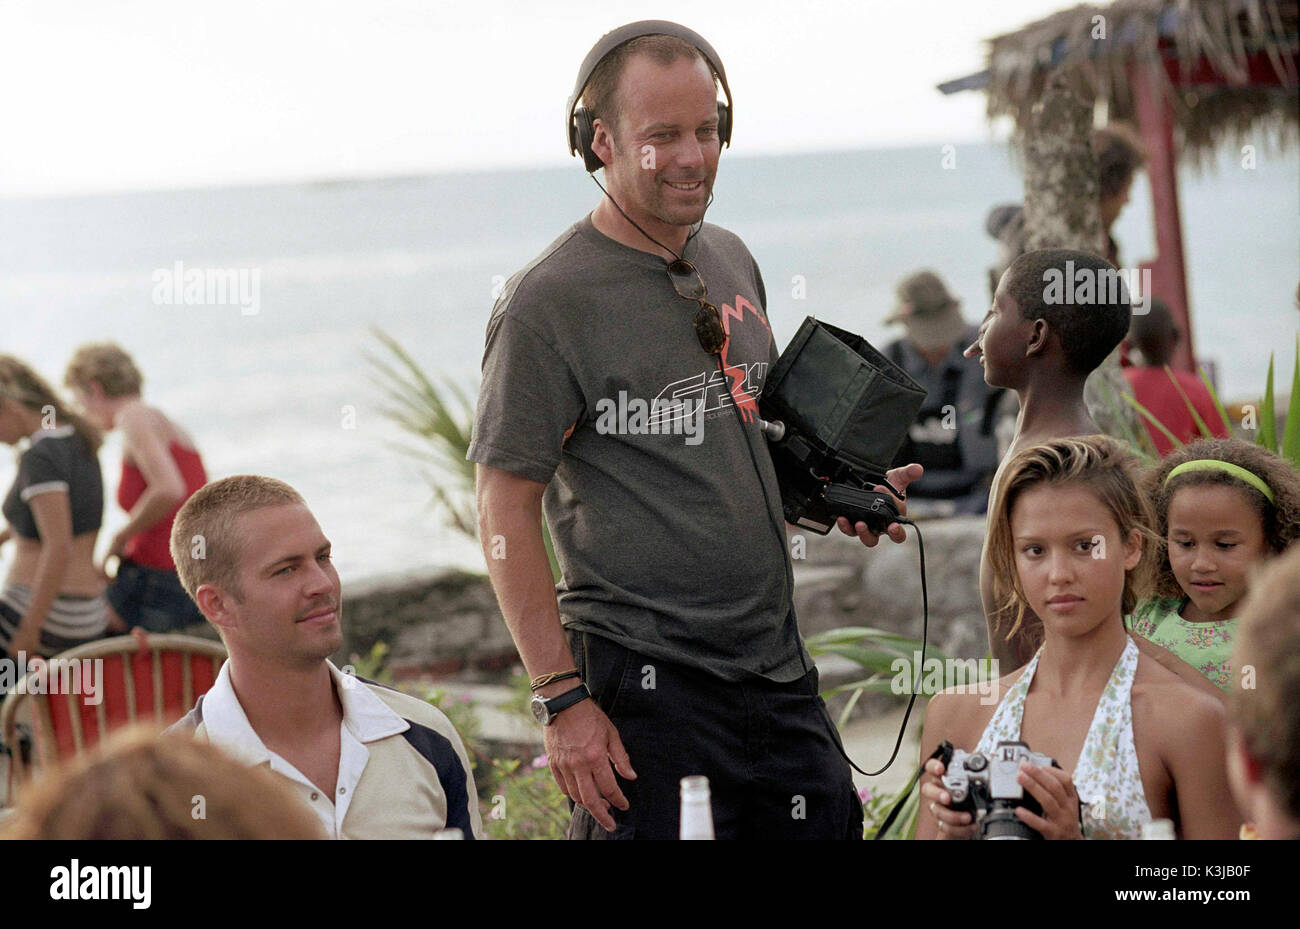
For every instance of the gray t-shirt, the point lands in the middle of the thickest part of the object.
(657, 513)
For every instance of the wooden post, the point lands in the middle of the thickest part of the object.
(1062, 210)
(1168, 278)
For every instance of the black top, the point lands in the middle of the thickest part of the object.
(57, 460)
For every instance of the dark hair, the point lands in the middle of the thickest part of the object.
(1119, 154)
(599, 96)
(1280, 519)
(21, 384)
(1154, 333)
(1088, 330)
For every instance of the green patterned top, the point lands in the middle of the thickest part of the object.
(1207, 646)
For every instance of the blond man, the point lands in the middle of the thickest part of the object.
(369, 761)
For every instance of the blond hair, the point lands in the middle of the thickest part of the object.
(1098, 463)
(138, 785)
(106, 364)
(205, 541)
(1267, 641)
(21, 384)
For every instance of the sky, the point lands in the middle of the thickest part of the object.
(113, 95)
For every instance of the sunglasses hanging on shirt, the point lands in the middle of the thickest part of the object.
(687, 283)
(690, 286)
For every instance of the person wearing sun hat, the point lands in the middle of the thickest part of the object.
(953, 436)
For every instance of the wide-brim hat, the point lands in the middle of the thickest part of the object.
(931, 314)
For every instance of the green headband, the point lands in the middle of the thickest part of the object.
(1213, 464)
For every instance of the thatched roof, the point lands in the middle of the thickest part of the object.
(1230, 66)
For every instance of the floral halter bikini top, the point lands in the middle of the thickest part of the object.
(1106, 776)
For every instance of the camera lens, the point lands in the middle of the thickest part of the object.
(1003, 825)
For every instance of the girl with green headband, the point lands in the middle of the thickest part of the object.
(1222, 506)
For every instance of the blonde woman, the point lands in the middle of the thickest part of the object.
(138, 785)
(161, 469)
(53, 597)
(1070, 539)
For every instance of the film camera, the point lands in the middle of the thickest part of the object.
(986, 787)
(835, 413)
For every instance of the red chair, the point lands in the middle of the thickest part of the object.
(151, 679)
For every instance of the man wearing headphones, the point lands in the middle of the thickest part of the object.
(676, 592)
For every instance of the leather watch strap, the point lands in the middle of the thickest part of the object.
(567, 699)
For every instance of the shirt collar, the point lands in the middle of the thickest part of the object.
(60, 432)
(366, 716)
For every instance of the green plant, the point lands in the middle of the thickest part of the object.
(877, 652)
(1266, 435)
(875, 809)
(887, 655)
(1128, 430)
(372, 665)
(460, 710)
(1265, 432)
(441, 416)
(525, 802)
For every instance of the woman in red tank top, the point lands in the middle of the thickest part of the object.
(161, 469)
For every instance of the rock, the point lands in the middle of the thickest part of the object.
(445, 622)
(443, 617)
(841, 583)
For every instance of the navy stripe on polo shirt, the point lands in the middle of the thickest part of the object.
(438, 751)
(416, 779)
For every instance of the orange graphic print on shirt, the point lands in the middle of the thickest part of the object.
(736, 374)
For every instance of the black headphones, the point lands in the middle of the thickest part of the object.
(578, 121)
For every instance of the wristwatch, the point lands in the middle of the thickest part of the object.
(545, 711)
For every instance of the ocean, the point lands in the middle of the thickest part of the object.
(287, 391)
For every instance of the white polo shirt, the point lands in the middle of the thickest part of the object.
(403, 770)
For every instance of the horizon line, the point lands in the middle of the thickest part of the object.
(400, 176)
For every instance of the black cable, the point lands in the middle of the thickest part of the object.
(944, 753)
(781, 538)
(925, 607)
(694, 232)
(925, 635)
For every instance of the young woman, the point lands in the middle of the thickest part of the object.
(161, 469)
(1069, 539)
(53, 596)
(1222, 506)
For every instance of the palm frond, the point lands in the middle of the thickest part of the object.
(440, 414)
(1214, 395)
(1149, 417)
(1203, 429)
(1128, 430)
(1267, 433)
(1290, 449)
